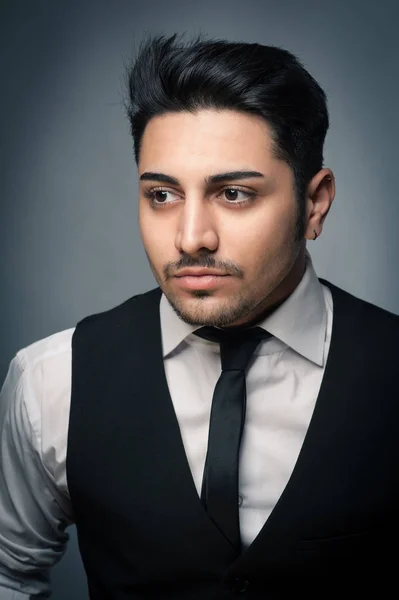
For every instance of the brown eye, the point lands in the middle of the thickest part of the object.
(231, 194)
(160, 196)
(237, 196)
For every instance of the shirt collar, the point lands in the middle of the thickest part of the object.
(300, 321)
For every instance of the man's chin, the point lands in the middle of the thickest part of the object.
(201, 309)
(209, 311)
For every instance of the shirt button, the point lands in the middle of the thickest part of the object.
(240, 500)
(240, 585)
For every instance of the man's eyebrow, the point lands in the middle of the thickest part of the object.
(218, 178)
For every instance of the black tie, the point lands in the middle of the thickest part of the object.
(220, 482)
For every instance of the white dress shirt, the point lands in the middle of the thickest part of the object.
(283, 382)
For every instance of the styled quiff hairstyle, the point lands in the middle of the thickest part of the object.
(173, 75)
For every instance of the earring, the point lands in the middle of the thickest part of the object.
(315, 235)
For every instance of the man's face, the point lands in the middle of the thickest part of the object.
(238, 228)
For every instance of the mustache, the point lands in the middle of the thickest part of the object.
(205, 262)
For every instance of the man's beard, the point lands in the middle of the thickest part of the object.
(222, 316)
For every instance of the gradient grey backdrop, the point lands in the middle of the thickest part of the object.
(70, 243)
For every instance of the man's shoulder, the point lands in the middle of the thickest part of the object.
(47, 349)
(357, 310)
(57, 346)
(53, 352)
(135, 307)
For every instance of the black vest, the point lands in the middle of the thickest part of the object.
(142, 530)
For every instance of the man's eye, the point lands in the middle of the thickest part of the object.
(159, 196)
(236, 195)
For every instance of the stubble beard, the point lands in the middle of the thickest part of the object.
(223, 315)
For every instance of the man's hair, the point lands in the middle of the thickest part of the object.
(170, 75)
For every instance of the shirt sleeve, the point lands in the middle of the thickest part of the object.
(32, 521)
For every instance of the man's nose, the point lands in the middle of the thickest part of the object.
(197, 228)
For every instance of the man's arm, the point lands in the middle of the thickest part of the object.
(32, 521)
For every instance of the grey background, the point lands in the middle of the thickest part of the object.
(69, 237)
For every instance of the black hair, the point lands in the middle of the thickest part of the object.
(170, 75)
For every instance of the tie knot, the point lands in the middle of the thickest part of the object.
(236, 347)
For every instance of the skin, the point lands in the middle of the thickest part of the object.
(197, 223)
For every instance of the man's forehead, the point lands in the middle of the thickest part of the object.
(218, 143)
(210, 124)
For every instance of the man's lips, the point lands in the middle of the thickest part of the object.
(200, 279)
(200, 273)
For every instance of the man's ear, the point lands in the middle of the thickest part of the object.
(319, 197)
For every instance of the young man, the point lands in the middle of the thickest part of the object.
(233, 431)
